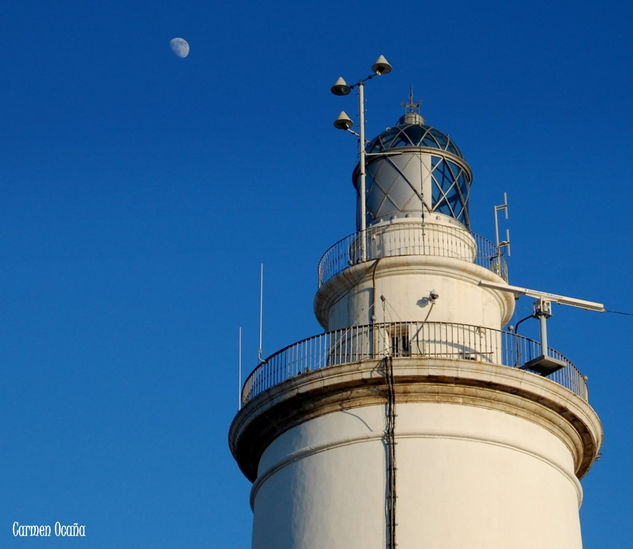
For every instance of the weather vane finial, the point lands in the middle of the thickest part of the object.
(412, 105)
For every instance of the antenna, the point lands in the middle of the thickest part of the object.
(506, 243)
(544, 364)
(239, 369)
(261, 312)
(412, 105)
(552, 298)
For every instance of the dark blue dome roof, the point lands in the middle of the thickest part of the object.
(411, 131)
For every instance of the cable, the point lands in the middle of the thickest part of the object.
(417, 333)
(515, 329)
(516, 326)
(373, 285)
(618, 312)
(390, 451)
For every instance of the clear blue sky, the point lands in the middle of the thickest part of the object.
(141, 191)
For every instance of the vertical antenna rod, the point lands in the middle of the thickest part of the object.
(239, 369)
(502, 208)
(261, 312)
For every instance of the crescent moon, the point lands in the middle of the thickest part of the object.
(180, 47)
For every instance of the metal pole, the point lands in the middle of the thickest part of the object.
(543, 310)
(239, 369)
(361, 154)
(496, 229)
(543, 323)
(261, 311)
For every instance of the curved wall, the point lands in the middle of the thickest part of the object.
(466, 477)
(486, 456)
(355, 296)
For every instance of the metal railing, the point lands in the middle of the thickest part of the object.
(412, 238)
(405, 339)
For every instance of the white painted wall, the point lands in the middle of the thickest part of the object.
(466, 477)
(469, 475)
(406, 281)
(408, 268)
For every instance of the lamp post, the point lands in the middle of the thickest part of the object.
(344, 122)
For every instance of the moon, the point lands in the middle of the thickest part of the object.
(180, 47)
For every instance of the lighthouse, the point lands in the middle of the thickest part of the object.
(416, 419)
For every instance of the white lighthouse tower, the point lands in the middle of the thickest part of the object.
(414, 420)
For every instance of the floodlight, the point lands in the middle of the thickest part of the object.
(343, 122)
(381, 66)
(340, 87)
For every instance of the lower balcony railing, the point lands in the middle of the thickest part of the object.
(406, 339)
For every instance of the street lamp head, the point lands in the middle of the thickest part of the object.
(340, 87)
(343, 122)
(381, 66)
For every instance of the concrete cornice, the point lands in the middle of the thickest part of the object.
(461, 382)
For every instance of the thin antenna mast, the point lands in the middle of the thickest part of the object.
(261, 312)
(239, 369)
(506, 243)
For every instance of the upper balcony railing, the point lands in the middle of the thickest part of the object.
(405, 339)
(412, 238)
